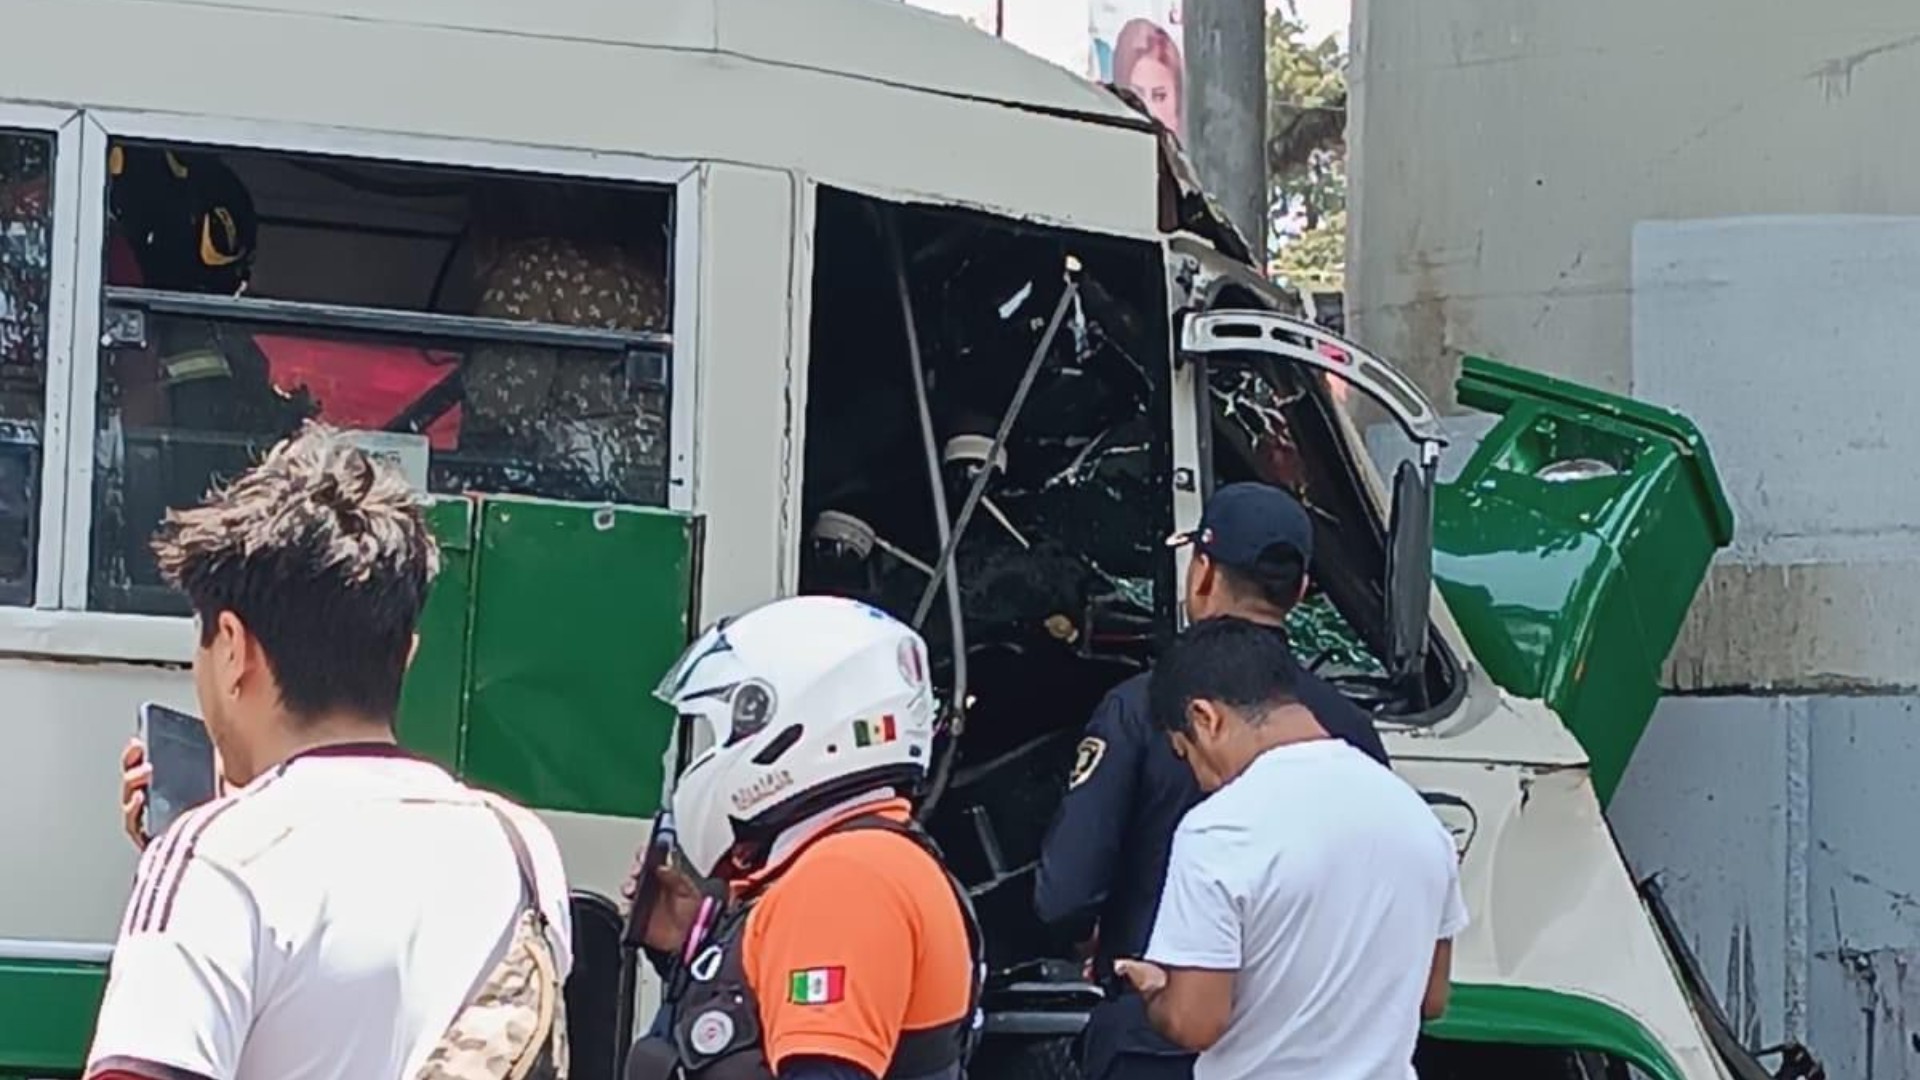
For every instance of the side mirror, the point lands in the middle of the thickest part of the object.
(1410, 566)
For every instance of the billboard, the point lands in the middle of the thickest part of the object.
(1136, 44)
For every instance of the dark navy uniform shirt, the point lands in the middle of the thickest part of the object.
(1105, 856)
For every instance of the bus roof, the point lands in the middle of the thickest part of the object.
(884, 41)
(822, 87)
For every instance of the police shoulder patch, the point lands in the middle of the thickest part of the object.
(1086, 759)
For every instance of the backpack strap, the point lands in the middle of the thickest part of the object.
(498, 1027)
(523, 859)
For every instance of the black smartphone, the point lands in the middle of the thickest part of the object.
(646, 887)
(181, 753)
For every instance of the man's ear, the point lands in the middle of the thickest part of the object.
(1204, 718)
(413, 649)
(1201, 571)
(237, 651)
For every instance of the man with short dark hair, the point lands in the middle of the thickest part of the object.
(1311, 901)
(330, 916)
(1106, 852)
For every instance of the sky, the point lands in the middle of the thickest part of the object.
(1324, 18)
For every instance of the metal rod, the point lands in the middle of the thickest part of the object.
(943, 524)
(384, 321)
(902, 554)
(397, 232)
(941, 769)
(979, 486)
(1005, 524)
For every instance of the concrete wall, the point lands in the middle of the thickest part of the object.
(1713, 205)
(1779, 827)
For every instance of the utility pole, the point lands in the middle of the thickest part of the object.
(1226, 108)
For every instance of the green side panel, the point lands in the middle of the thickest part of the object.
(1574, 591)
(50, 1009)
(1529, 1017)
(433, 699)
(47, 1009)
(577, 612)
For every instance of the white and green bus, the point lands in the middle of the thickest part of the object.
(676, 307)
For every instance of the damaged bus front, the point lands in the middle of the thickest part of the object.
(997, 458)
(1064, 497)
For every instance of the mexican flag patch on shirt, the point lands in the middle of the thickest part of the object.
(817, 986)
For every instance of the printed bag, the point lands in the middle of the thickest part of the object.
(514, 1026)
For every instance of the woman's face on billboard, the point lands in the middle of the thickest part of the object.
(1154, 81)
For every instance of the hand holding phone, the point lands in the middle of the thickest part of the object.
(642, 889)
(665, 899)
(181, 766)
(135, 777)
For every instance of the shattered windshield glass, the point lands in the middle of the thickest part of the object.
(1069, 529)
(1254, 407)
(1057, 342)
(1091, 482)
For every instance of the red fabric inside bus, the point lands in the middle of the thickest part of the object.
(360, 385)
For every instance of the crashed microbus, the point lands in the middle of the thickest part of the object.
(676, 307)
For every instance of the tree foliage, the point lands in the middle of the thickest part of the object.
(1306, 154)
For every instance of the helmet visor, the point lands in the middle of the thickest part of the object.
(711, 642)
(730, 712)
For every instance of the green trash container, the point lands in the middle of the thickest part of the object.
(1571, 545)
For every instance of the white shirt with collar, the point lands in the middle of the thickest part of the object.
(325, 922)
(1324, 881)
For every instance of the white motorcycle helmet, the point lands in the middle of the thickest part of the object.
(806, 701)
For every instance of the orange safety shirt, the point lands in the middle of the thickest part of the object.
(858, 940)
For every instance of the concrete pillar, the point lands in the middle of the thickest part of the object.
(1226, 107)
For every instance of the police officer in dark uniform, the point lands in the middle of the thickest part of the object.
(1105, 856)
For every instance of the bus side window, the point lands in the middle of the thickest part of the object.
(26, 276)
(508, 333)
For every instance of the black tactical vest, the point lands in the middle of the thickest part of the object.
(716, 1035)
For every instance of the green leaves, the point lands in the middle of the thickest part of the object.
(1306, 155)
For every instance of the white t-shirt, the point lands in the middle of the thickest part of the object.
(1325, 882)
(326, 922)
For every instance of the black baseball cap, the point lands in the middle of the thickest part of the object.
(1243, 520)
